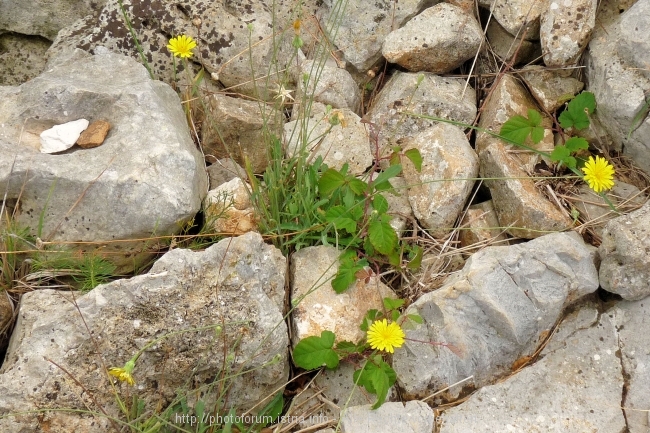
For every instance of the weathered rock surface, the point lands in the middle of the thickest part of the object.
(236, 128)
(620, 90)
(424, 93)
(634, 45)
(575, 387)
(624, 251)
(317, 307)
(94, 135)
(44, 17)
(147, 178)
(399, 207)
(363, 26)
(632, 320)
(22, 57)
(565, 30)
(497, 309)
(518, 203)
(223, 170)
(438, 40)
(439, 191)
(329, 85)
(411, 417)
(346, 142)
(480, 226)
(518, 17)
(507, 46)
(222, 49)
(237, 285)
(550, 88)
(228, 208)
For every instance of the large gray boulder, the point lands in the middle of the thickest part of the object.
(21, 58)
(497, 309)
(148, 178)
(224, 307)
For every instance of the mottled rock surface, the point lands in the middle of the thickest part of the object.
(22, 57)
(565, 30)
(412, 417)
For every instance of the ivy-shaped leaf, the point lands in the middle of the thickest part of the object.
(348, 267)
(379, 203)
(563, 155)
(339, 216)
(578, 111)
(346, 348)
(329, 181)
(415, 157)
(389, 173)
(382, 236)
(376, 379)
(358, 186)
(314, 352)
(518, 128)
(393, 304)
(576, 143)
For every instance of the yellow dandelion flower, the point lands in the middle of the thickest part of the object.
(385, 336)
(124, 374)
(181, 46)
(599, 174)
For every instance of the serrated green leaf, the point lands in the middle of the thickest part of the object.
(347, 347)
(358, 186)
(379, 203)
(376, 380)
(348, 267)
(329, 181)
(416, 158)
(314, 352)
(518, 128)
(389, 173)
(574, 144)
(393, 304)
(415, 318)
(577, 113)
(382, 236)
(340, 217)
(394, 258)
(563, 155)
(394, 158)
(416, 260)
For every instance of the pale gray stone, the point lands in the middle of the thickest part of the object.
(423, 93)
(507, 46)
(399, 207)
(44, 17)
(634, 44)
(625, 266)
(480, 227)
(550, 88)
(497, 309)
(518, 17)
(228, 208)
(438, 40)
(575, 387)
(327, 84)
(565, 30)
(632, 320)
(439, 191)
(362, 27)
(223, 170)
(22, 57)
(411, 417)
(63, 136)
(147, 178)
(620, 90)
(236, 284)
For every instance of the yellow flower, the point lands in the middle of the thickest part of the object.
(384, 336)
(181, 46)
(124, 374)
(599, 174)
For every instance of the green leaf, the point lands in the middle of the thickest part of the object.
(577, 113)
(574, 144)
(314, 352)
(415, 157)
(415, 256)
(346, 273)
(347, 348)
(382, 236)
(370, 317)
(518, 128)
(273, 408)
(415, 318)
(376, 379)
(358, 186)
(329, 181)
(563, 155)
(380, 204)
(394, 158)
(389, 173)
(340, 217)
(393, 304)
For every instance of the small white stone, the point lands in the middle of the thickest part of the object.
(62, 137)
(596, 357)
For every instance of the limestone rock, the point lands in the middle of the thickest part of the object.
(620, 90)
(497, 309)
(399, 207)
(44, 17)
(439, 191)
(518, 17)
(22, 57)
(228, 208)
(506, 45)
(634, 44)
(346, 142)
(570, 389)
(596, 211)
(632, 320)
(480, 226)
(329, 85)
(550, 88)
(63, 136)
(236, 128)
(364, 25)
(147, 178)
(224, 170)
(317, 307)
(95, 134)
(438, 40)
(625, 266)
(424, 93)
(565, 30)
(236, 285)
(409, 417)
